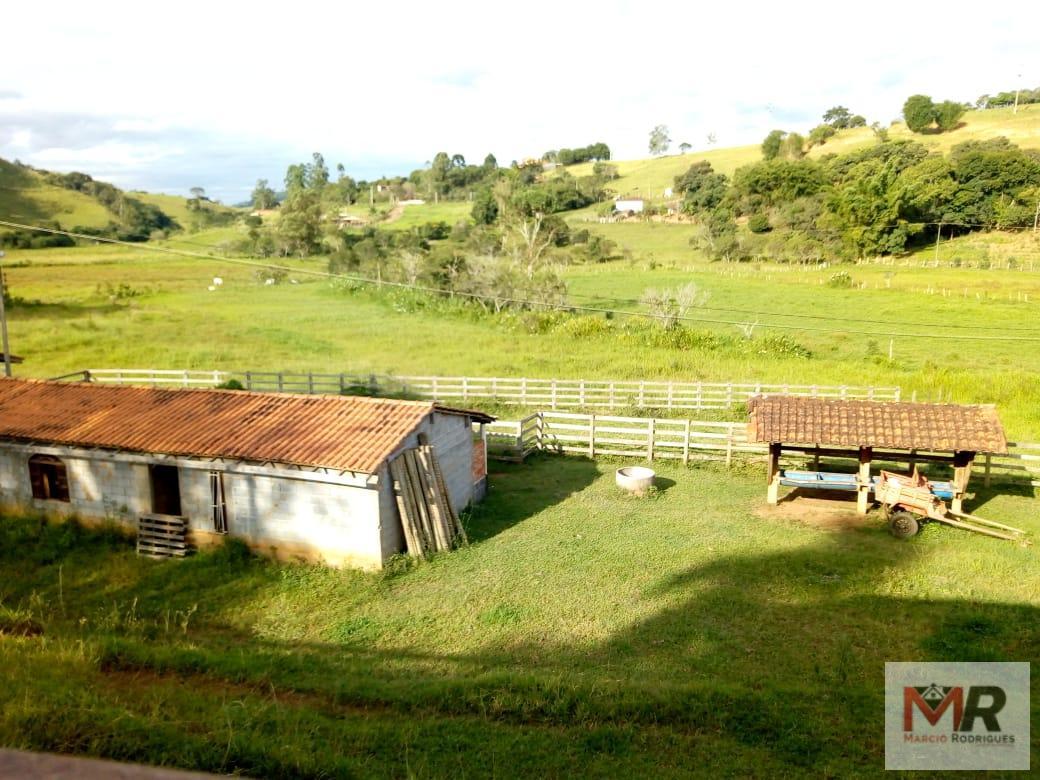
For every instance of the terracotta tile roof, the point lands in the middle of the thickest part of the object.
(346, 433)
(896, 425)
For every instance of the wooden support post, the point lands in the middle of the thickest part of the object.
(686, 444)
(729, 448)
(863, 485)
(773, 474)
(592, 436)
(650, 434)
(961, 474)
(816, 458)
(989, 465)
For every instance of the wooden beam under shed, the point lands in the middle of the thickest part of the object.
(962, 462)
(863, 486)
(773, 474)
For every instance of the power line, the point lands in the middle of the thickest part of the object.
(518, 301)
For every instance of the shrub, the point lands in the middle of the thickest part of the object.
(759, 223)
(841, 280)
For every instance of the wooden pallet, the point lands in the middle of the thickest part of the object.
(162, 536)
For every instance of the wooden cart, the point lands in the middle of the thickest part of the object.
(910, 503)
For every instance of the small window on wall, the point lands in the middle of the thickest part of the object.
(49, 478)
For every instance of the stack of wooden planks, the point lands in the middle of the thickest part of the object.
(162, 536)
(429, 521)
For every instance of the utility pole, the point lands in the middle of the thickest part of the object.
(1016, 95)
(3, 322)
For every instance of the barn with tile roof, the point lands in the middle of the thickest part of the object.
(301, 476)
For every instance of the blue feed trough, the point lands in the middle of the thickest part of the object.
(829, 480)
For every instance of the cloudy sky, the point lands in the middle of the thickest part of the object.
(218, 94)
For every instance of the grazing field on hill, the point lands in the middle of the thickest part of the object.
(583, 632)
(176, 206)
(649, 177)
(96, 307)
(25, 197)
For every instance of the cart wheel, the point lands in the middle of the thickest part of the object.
(903, 525)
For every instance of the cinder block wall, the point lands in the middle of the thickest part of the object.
(335, 523)
(99, 490)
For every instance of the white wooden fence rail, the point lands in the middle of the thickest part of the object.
(686, 440)
(552, 393)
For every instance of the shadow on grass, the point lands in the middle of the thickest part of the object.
(513, 495)
(772, 660)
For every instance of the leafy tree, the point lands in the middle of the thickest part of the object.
(819, 134)
(299, 222)
(793, 146)
(659, 140)
(198, 193)
(702, 189)
(837, 117)
(948, 114)
(772, 144)
(263, 196)
(919, 113)
(605, 171)
(684, 147)
(317, 173)
(295, 177)
(490, 163)
(485, 207)
(858, 121)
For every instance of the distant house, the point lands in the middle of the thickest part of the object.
(629, 205)
(302, 477)
(344, 219)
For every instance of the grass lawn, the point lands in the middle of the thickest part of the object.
(583, 632)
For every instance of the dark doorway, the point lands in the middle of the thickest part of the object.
(166, 490)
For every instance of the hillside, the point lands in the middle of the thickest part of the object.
(176, 206)
(649, 178)
(26, 197)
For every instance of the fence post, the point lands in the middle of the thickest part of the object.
(373, 386)
(523, 390)
(729, 394)
(186, 383)
(650, 434)
(612, 404)
(281, 382)
(642, 387)
(581, 392)
(433, 389)
(465, 389)
(729, 447)
(540, 431)
(552, 384)
(989, 461)
(249, 380)
(342, 383)
(670, 395)
(686, 444)
(592, 436)
(310, 382)
(700, 396)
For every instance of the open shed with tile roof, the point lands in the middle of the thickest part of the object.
(874, 430)
(303, 476)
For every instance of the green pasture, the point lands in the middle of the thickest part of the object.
(582, 633)
(95, 307)
(26, 198)
(648, 178)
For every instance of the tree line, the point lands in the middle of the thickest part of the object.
(879, 200)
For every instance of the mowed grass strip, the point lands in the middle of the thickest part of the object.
(583, 631)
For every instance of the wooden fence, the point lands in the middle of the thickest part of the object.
(552, 393)
(655, 438)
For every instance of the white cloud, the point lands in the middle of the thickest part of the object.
(237, 90)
